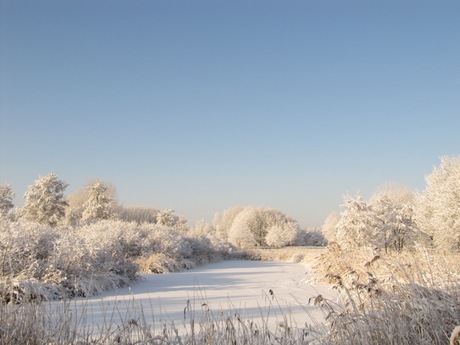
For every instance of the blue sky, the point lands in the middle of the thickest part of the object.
(203, 105)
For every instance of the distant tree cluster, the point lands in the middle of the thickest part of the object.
(396, 218)
(257, 226)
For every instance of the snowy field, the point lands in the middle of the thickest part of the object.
(269, 293)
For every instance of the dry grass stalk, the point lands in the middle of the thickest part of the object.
(400, 298)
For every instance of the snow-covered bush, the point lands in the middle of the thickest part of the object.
(168, 241)
(121, 239)
(44, 200)
(42, 262)
(25, 246)
(158, 263)
(203, 251)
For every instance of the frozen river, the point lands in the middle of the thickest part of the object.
(270, 293)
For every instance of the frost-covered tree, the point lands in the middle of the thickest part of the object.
(99, 204)
(397, 195)
(202, 228)
(241, 236)
(281, 235)
(386, 222)
(169, 219)
(257, 221)
(329, 227)
(438, 207)
(6, 200)
(356, 227)
(222, 222)
(44, 200)
(312, 236)
(394, 224)
(85, 200)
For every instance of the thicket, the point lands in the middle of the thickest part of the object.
(40, 262)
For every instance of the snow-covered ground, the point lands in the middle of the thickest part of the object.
(263, 292)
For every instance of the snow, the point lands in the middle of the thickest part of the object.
(228, 288)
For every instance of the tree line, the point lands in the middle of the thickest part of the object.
(45, 203)
(393, 219)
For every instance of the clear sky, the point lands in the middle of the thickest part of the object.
(200, 105)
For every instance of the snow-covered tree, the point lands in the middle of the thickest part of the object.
(329, 227)
(85, 200)
(6, 200)
(222, 222)
(202, 228)
(397, 195)
(241, 236)
(99, 204)
(312, 236)
(169, 219)
(257, 221)
(44, 200)
(438, 207)
(356, 227)
(395, 224)
(281, 235)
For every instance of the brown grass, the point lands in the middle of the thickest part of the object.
(305, 255)
(399, 298)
